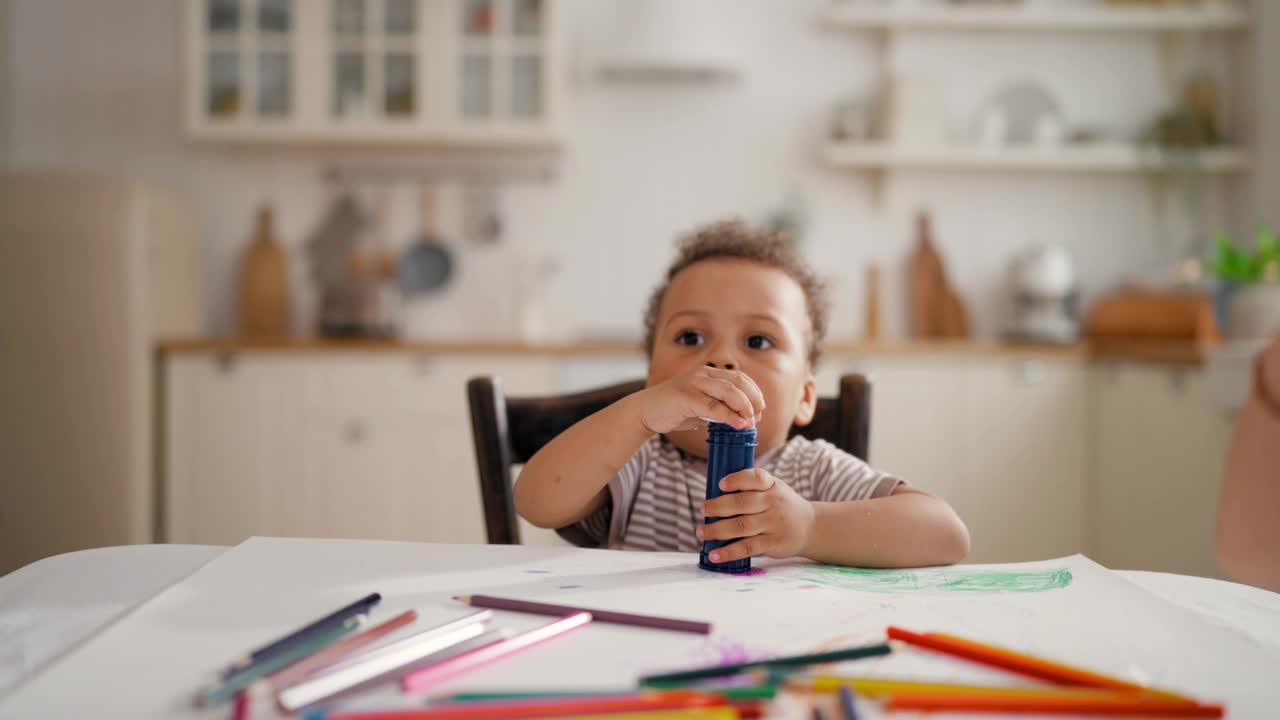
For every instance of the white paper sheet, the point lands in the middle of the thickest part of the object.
(150, 664)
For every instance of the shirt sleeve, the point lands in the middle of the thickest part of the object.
(839, 476)
(601, 527)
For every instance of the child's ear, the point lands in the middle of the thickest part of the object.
(808, 403)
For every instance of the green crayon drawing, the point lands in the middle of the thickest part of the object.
(955, 579)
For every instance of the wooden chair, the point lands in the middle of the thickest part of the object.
(509, 431)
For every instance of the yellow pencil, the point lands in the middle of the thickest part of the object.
(882, 687)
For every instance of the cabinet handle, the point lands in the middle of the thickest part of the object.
(354, 432)
(423, 365)
(225, 362)
(1030, 372)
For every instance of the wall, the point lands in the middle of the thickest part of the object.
(97, 86)
(6, 95)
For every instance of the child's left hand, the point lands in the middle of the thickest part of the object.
(772, 519)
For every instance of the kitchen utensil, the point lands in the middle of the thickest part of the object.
(264, 287)
(427, 265)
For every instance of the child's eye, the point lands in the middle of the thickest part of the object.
(759, 342)
(689, 337)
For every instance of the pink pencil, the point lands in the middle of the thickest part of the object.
(299, 670)
(240, 710)
(427, 677)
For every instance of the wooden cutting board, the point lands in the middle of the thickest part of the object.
(264, 284)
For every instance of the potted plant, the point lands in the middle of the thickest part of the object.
(1252, 283)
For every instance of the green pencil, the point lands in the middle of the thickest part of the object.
(269, 665)
(772, 663)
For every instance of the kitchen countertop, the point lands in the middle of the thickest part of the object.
(1177, 355)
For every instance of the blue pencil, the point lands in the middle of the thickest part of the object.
(846, 703)
(337, 617)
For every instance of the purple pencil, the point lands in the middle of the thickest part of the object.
(604, 616)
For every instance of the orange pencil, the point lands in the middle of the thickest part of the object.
(1121, 705)
(1023, 664)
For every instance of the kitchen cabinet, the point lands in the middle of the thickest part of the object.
(1159, 444)
(1003, 440)
(326, 445)
(1042, 454)
(431, 72)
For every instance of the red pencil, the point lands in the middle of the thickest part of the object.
(1120, 705)
(1021, 663)
(549, 707)
(240, 710)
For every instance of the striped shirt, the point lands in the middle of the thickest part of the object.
(654, 500)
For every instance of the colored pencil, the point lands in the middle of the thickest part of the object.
(240, 710)
(359, 607)
(378, 662)
(423, 679)
(684, 676)
(884, 687)
(335, 652)
(1021, 663)
(605, 616)
(704, 713)
(276, 661)
(1116, 706)
(848, 707)
(653, 700)
(747, 692)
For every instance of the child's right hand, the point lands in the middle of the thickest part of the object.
(687, 400)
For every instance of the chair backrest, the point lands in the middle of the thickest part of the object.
(509, 431)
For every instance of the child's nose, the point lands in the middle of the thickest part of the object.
(722, 365)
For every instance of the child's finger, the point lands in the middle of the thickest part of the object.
(720, 393)
(745, 503)
(744, 548)
(749, 479)
(748, 387)
(731, 528)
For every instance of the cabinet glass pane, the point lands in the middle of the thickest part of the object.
(400, 17)
(224, 84)
(526, 19)
(348, 17)
(526, 86)
(224, 15)
(477, 86)
(398, 79)
(478, 17)
(274, 16)
(349, 96)
(273, 83)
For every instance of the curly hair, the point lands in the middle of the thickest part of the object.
(734, 239)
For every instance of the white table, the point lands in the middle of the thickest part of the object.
(52, 606)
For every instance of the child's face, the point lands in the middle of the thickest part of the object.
(745, 316)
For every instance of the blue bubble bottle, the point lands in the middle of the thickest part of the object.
(728, 451)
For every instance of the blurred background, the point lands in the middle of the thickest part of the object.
(251, 250)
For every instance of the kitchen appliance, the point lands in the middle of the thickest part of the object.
(1043, 285)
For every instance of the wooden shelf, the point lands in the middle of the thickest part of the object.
(1109, 157)
(377, 134)
(1211, 17)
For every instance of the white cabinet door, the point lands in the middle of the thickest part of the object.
(1003, 441)
(226, 449)
(1159, 444)
(328, 445)
(1023, 440)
